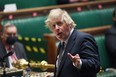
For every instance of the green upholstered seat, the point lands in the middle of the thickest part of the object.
(87, 19)
(93, 18)
(30, 27)
(106, 16)
(104, 56)
(21, 4)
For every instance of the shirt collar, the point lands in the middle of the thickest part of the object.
(66, 41)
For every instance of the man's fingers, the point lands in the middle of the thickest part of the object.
(71, 56)
(77, 56)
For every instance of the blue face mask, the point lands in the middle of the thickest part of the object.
(11, 40)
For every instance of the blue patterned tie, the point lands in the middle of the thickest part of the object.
(61, 53)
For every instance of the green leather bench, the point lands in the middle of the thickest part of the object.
(105, 60)
(104, 56)
(22, 4)
(84, 19)
(93, 18)
(30, 27)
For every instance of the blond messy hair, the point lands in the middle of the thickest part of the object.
(59, 13)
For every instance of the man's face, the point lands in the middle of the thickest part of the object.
(9, 35)
(60, 29)
(10, 31)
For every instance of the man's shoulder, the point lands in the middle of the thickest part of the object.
(111, 31)
(18, 43)
(83, 34)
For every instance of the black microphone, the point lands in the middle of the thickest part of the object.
(8, 54)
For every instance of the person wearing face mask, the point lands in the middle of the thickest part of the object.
(110, 40)
(9, 43)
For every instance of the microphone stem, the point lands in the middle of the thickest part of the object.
(4, 69)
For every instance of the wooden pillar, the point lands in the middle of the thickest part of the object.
(51, 47)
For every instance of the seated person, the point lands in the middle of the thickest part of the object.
(8, 44)
(110, 37)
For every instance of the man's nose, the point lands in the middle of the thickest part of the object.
(13, 34)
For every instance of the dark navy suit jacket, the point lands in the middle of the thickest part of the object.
(18, 49)
(84, 45)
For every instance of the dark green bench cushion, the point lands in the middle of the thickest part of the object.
(105, 60)
(93, 18)
(21, 4)
(35, 26)
(87, 19)
(30, 27)
(106, 16)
